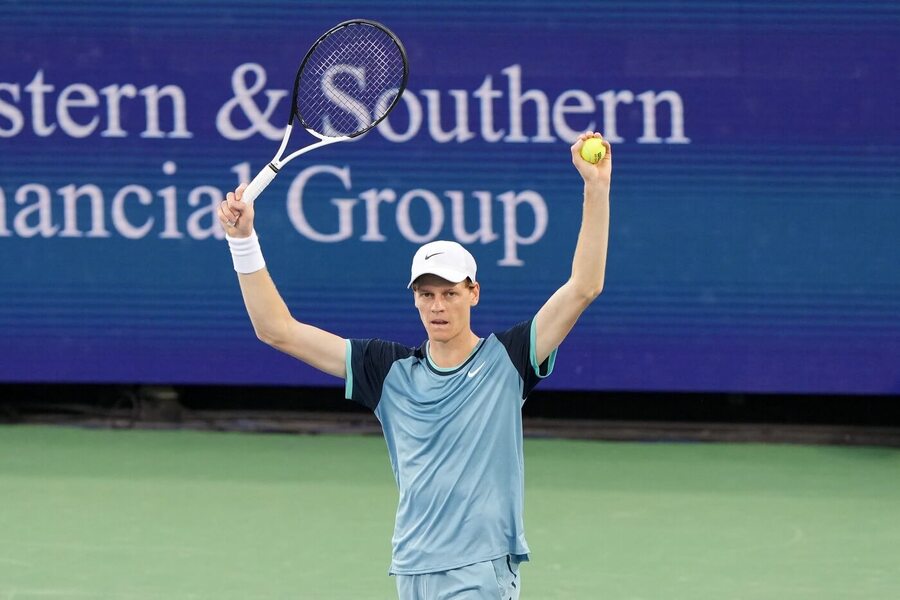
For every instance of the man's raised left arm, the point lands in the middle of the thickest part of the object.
(558, 315)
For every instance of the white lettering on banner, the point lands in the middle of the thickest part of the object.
(85, 100)
(507, 109)
(651, 100)
(345, 205)
(485, 232)
(545, 119)
(179, 112)
(436, 211)
(114, 95)
(459, 133)
(170, 213)
(487, 94)
(170, 204)
(339, 97)
(195, 228)
(414, 110)
(531, 115)
(584, 104)
(119, 216)
(242, 171)
(517, 99)
(10, 112)
(435, 216)
(243, 97)
(37, 89)
(373, 197)
(41, 208)
(70, 195)
(135, 211)
(611, 102)
(4, 230)
(512, 238)
(77, 95)
(121, 222)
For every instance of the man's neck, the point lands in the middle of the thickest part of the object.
(452, 352)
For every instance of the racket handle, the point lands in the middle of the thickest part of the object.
(259, 183)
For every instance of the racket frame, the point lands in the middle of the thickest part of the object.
(268, 173)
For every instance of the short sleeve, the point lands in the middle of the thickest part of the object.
(368, 363)
(519, 342)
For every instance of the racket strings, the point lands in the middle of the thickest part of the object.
(349, 81)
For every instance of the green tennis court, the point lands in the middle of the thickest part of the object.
(189, 515)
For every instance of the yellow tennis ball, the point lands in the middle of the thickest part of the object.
(593, 150)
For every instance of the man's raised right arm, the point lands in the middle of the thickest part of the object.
(272, 321)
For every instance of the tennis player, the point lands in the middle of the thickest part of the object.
(450, 409)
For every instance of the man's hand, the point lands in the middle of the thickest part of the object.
(593, 174)
(236, 216)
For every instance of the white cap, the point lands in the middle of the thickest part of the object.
(448, 260)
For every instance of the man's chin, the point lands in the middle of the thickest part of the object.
(439, 334)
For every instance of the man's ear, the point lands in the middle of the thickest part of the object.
(476, 288)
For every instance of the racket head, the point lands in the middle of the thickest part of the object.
(350, 79)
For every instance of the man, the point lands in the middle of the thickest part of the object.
(451, 408)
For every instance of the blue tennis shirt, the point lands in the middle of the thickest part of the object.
(454, 437)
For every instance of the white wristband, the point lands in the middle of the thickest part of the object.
(246, 253)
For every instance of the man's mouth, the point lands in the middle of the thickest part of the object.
(439, 322)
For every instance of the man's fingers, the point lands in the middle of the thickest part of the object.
(239, 192)
(234, 204)
(579, 142)
(226, 215)
(230, 209)
(576, 147)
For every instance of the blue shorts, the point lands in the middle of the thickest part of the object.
(496, 579)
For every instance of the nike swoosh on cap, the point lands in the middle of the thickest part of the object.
(427, 256)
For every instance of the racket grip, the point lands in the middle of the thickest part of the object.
(259, 183)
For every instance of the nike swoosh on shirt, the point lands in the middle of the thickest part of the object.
(474, 372)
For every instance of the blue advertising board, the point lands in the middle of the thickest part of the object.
(755, 204)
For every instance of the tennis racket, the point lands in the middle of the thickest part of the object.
(350, 79)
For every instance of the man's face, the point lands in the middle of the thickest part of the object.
(444, 307)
